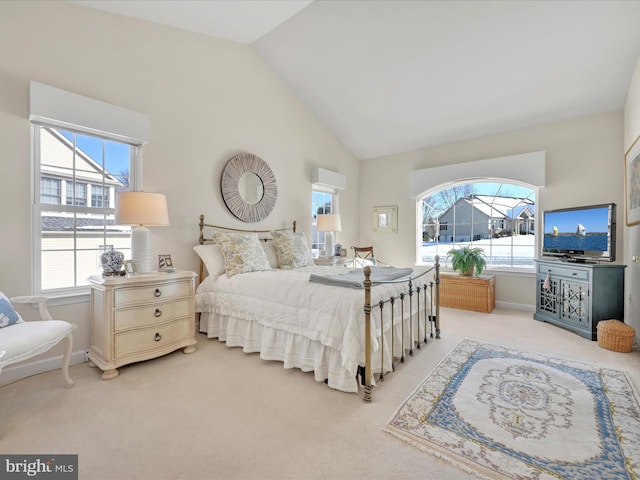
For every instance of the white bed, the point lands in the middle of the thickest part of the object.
(317, 328)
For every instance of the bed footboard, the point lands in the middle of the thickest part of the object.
(426, 314)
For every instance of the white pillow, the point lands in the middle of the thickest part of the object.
(270, 249)
(211, 256)
(242, 252)
(293, 250)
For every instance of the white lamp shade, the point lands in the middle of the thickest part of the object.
(141, 208)
(329, 223)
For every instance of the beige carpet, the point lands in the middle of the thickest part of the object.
(222, 414)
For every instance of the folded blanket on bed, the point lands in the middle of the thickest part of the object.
(355, 278)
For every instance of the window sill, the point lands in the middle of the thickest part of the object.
(502, 272)
(59, 299)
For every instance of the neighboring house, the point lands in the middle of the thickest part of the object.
(94, 186)
(67, 229)
(480, 216)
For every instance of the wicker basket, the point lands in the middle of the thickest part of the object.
(615, 335)
(468, 293)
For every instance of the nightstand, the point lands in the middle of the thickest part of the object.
(334, 261)
(140, 317)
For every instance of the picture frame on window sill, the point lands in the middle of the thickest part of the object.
(164, 263)
(385, 219)
(130, 268)
(632, 183)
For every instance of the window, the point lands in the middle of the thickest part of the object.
(321, 202)
(50, 189)
(100, 196)
(70, 234)
(77, 197)
(84, 152)
(497, 217)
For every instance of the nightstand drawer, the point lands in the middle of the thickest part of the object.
(141, 316)
(146, 339)
(160, 292)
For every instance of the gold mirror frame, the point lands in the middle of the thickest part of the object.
(234, 170)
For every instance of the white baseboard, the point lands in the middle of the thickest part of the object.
(516, 306)
(23, 370)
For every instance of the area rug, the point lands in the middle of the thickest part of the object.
(501, 413)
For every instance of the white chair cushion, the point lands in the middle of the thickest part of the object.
(24, 340)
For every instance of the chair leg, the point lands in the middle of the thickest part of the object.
(66, 359)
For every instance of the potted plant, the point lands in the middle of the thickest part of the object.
(466, 260)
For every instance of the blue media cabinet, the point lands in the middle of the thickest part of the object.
(579, 295)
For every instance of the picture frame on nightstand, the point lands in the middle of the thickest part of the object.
(130, 268)
(164, 263)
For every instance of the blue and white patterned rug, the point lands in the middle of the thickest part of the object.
(501, 413)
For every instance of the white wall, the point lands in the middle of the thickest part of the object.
(583, 166)
(208, 99)
(632, 234)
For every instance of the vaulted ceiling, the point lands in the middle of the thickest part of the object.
(393, 76)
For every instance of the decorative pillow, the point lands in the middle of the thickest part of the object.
(8, 316)
(293, 250)
(272, 255)
(242, 252)
(211, 256)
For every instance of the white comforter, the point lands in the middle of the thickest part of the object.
(312, 316)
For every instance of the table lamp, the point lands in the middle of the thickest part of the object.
(329, 223)
(141, 209)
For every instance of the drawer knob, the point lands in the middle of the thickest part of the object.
(158, 337)
(157, 313)
(157, 293)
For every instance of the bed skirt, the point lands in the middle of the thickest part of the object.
(297, 351)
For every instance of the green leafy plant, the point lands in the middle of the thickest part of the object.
(466, 260)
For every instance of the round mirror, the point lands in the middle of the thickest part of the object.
(248, 187)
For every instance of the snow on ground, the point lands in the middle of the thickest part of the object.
(517, 251)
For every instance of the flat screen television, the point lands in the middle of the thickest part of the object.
(581, 234)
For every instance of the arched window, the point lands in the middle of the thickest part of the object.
(498, 217)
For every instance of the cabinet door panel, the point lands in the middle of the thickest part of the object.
(574, 297)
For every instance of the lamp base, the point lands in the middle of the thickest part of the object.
(329, 245)
(140, 251)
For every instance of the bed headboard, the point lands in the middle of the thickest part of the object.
(265, 236)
